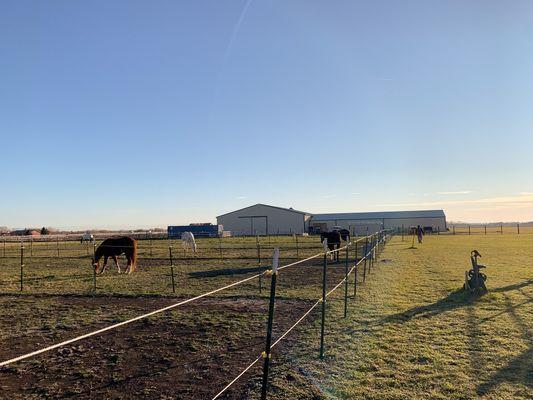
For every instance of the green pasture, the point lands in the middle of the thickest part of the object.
(413, 333)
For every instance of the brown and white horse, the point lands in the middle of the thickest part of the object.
(114, 247)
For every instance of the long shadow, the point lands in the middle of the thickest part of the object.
(515, 286)
(520, 368)
(226, 271)
(507, 310)
(456, 299)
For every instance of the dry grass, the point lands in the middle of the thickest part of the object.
(412, 334)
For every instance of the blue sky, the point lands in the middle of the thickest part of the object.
(139, 114)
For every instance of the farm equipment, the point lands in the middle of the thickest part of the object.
(474, 279)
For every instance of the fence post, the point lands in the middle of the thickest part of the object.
(31, 246)
(518, 227)
(324, 281)
(151, 249)
(468, 229)
(267, 353)
(172, 279)
(403, 230)
(57, 242)
(297, 252)
(501, 229)
(365, 255)
(21, 267)
(94, 267)
(355, 277)
(372, 253)
(4, 247)
(485, 229)
(259, 263)
(346, 283)
(454, 229)
(220, 247)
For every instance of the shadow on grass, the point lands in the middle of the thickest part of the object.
(520, 368)
(516, 286)
(226, 271)
(456, 299)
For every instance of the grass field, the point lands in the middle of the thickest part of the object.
(410, 333)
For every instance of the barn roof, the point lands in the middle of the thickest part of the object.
(266, 205)
(380, 215)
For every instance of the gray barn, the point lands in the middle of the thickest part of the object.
(262, 219)
(360, 222)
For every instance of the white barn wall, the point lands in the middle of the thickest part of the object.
(261, 219)
(359, 226)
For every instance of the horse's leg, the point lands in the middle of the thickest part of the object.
(128, 268)
(105, 264)
(115, 259)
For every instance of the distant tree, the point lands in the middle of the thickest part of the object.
(45, 231)
(27, 232)
(4, 230)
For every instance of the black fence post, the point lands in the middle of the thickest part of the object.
(324, 282)
(94, 267)
(220, 247)
(371, 252)
(267, 355)
(57, 242)
(259, 263)
(403, 231)
(365, 257)
(346, 284)
(468, 229)
(172, 270)
(297, 250)
(485, 229)
(355, 275)
(518, 227)
(501, 229)
(21, 267)
(454, 229)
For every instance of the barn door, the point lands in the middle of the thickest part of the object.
(259, 226)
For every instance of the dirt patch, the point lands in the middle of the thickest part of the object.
(190, 352)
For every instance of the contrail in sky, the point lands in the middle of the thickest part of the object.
(235, 32)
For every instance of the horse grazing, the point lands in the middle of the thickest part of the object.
(114, 247)
(334, 242)
(188, 241)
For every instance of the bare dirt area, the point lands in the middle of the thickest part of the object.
(190, 352)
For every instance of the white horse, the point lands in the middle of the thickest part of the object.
(87, 237)
(187, 241)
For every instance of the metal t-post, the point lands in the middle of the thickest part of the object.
(324, 283)
(267, 355)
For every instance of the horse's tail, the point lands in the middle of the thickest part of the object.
(133, 256)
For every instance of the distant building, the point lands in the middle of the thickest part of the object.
(361, 223)
(198, 230)
(262, 219)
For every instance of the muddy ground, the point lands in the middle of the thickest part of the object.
(188, 353)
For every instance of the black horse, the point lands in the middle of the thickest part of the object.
(334, 241)
(345, 234)
(114, 247)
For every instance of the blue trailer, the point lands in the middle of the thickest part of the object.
(200, 230)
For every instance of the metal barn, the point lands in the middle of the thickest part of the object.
(262, 219)
(360, 223)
